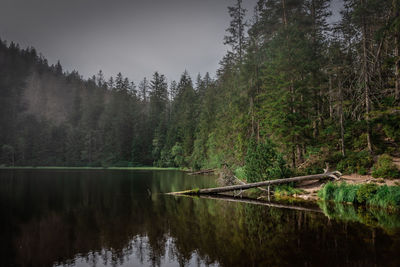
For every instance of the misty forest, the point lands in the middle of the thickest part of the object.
(314, 91)
(287, 153)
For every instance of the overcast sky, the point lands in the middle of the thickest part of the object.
(135, 37)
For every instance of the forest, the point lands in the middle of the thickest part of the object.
(294, 90)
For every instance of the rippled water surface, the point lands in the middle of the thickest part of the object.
(120, 218)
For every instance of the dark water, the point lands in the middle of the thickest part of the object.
(108, 218)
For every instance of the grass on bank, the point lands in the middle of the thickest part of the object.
(367, 194)
(286, 190)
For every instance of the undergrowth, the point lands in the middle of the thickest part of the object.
(368, 194)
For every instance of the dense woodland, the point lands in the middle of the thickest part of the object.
(292, 83)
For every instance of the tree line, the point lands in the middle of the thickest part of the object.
(311, 90)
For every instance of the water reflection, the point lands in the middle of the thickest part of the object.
(107, 218)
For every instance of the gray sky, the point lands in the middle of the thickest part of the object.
(135, 37)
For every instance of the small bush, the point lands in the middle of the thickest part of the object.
(391, 127)
(362, 170)
(240, 173)
(385, 168)
(264, 162)
(366, 192)
(177, 155)
(356, 162)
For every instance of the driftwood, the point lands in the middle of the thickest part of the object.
(202, 172)
(335, 175)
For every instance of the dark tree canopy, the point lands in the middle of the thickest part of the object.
(315, 92)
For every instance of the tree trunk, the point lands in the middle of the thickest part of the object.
(284, 18)
(216, 190)
(299, 154)
(342, 146)
(366, 82)
(397, 68)
(252, 114)
(396, 10)
(330, 97)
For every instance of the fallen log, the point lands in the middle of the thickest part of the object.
(241, 182)
(335, 175)
(202, 172)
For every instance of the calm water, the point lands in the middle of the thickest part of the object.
(118, 218)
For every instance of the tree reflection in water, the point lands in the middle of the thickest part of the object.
(107, 218)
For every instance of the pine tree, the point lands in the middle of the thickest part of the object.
(236, 37)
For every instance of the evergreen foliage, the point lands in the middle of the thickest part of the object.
(263, 162)
(292, 88)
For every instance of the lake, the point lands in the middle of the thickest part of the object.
(121, 218)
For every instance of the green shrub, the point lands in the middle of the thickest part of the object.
(366, 192)
(165, 159)
(356, 162)
(177, 155)
(264, 162)
(240, 172)
(362, 170)
(385, 168)
(360, 141)
(391, 127)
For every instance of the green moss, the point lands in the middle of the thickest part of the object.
(196, 191)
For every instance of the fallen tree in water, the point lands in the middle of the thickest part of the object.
(260, 202)
(216, 190)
